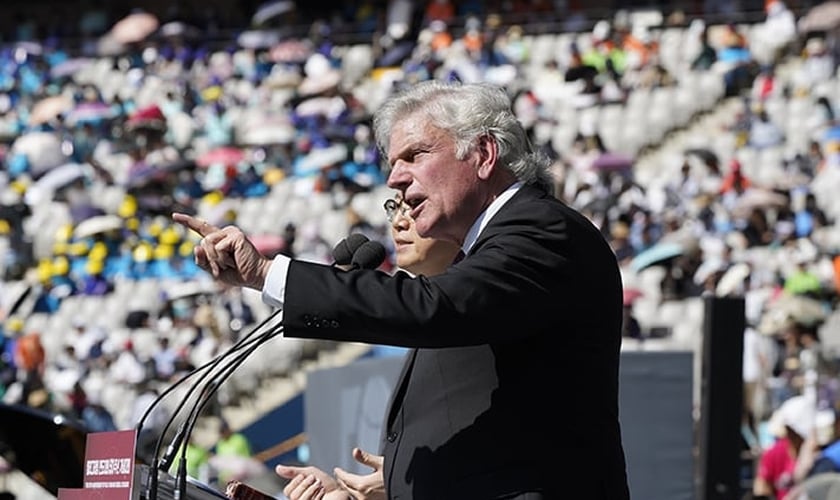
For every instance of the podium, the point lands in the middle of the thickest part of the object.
(110, 473)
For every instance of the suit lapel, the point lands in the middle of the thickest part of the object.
(399, 391)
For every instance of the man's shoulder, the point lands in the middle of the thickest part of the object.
(534, 202)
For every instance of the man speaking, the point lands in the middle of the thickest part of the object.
(538, 286)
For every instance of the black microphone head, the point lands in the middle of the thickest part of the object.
(343, 252)
(369, 256)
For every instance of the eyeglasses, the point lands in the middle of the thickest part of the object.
(393, 207)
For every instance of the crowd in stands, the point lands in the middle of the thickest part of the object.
(708, 154)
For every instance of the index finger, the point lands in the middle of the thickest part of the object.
(201, 227)
(288, 471)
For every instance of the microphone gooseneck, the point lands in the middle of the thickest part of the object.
(207, 392)
(246, 341)
(357, 251)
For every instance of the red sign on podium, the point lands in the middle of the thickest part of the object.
(109, 467)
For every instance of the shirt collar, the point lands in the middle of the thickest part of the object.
(482, 220)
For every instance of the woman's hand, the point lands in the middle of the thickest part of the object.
(366, 487)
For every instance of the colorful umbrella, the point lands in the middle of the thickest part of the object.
(291, 51)
(631, 294)
(147, 117)
(134, 27)
(612, 161)
(225, 155)
(49, 108)
(659, 254)
(89, 112)
(268, 244)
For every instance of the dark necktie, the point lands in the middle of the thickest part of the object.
(458, 258)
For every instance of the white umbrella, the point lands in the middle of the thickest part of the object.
(755, 197)
(732, 279)
(330, 107)
(42, 150)
(34, 48)
(61, 380)
(321, 157)
(827, 238)
(97, 225)
(790, 307)
(12, 295)
(269, 10)
(822, 17)
(258, 39)
(267, 133)
(320, 75)
(45, 187)
(178, 29)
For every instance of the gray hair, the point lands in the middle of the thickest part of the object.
(468, 111)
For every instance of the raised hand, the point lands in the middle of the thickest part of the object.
(226, 253)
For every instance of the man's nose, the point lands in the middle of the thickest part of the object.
(398, 177)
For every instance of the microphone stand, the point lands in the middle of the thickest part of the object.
(210, 389)
(151, 490)
(355, 250)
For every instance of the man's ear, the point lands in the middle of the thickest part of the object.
(488, 153)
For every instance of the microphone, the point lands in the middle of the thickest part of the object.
(368, 256)
(345, 249)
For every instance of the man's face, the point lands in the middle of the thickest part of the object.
(434, 183)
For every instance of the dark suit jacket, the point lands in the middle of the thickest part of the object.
(513, 386)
